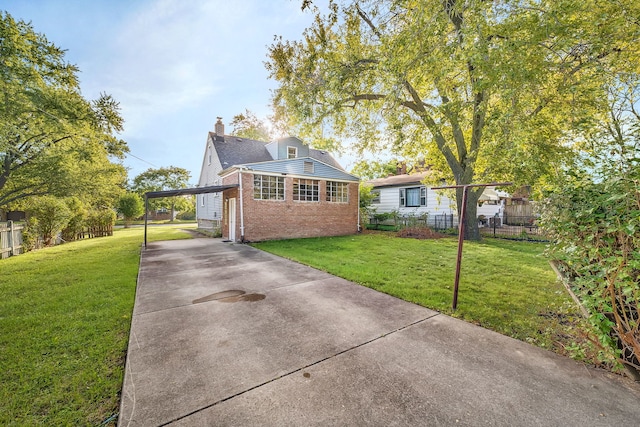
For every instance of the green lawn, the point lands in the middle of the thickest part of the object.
(505, 286)
(65, 312)
(65, 315)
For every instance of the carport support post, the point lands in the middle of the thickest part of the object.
(146, 214)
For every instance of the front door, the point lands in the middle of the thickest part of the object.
(232, 219)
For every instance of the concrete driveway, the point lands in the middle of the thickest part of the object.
(226, 335)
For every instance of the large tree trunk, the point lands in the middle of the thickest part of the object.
(471, 230)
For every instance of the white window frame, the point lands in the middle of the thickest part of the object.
(268, 187)
(295, 152)
(306, 190)
(422, 197)
(337, 192)
(376, 196)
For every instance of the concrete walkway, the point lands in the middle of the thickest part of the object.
(226, 335)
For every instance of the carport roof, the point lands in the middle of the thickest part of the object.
(184, 191)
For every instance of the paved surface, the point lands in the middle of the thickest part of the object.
(226, 335)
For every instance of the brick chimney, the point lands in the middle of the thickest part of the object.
(219, 128)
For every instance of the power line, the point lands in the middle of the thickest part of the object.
(142, 160)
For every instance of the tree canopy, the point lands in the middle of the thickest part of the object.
(248, 125)
(161, 179)
(52, 140)
(484, 91)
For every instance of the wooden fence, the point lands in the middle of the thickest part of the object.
(91, 232)
(517, 211)
(10, 239)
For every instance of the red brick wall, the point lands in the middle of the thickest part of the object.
(277, 219)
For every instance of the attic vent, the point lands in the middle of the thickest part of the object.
(308, 167)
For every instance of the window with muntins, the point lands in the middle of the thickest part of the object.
(267, 187)
(337, 192)
(413, 197)
(376, 196)
(306, 190)
(292, 152)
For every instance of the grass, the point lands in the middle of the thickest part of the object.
(65, 315)
(120, 222)
(505, 286)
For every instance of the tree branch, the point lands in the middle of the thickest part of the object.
(441, 143)
(20, 193)
(370, 23)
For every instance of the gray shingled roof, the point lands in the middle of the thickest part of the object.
(398, 180)
(234, 150)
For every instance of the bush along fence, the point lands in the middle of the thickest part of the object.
(514, 228)
(10, 239)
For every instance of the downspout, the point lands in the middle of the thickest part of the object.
(359, 230)
(241, 207)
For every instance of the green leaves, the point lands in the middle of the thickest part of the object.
(594, 223)
(131, 206)
(485, 91)
(52, 140)
(165, 178)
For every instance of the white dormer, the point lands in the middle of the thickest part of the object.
(287, 148)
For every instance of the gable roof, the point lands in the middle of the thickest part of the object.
(234, 150)
(324, 157)
(297, 167)
(399, 180)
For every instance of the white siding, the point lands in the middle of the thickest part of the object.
(390, 201)
(212, 209)
(491, 210)
(437, 204)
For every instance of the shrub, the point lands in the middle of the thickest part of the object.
(49, 215)
(130, 206)
(187, 216)
(595, 226)
(77, 220)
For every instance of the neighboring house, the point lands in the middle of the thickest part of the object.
(407, 195)
(285, 190)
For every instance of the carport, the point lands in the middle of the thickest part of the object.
(179, 192)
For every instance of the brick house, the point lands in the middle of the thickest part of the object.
(284, 190)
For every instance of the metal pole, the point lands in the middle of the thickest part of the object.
(460, 242)
(146, 215)
(461, 228)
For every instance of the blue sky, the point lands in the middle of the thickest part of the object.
(174, 65)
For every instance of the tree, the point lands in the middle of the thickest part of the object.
(48, 216)
(484, 91)
(52, 140)
(170, 178)
(130, 206)
(247, 125)
(372, 169)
